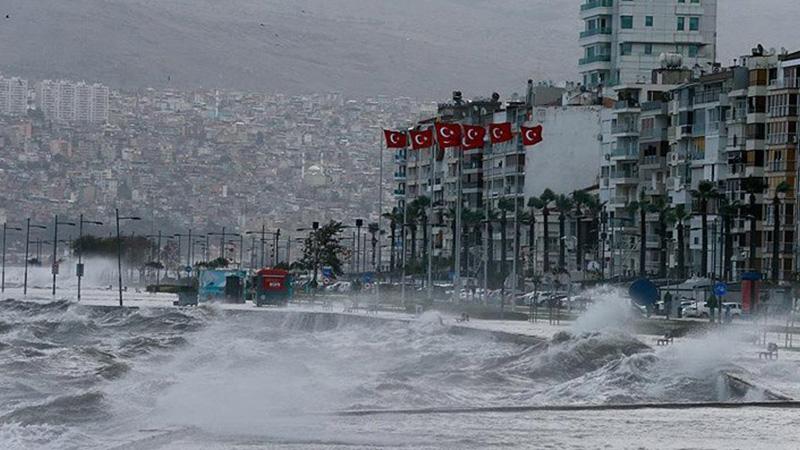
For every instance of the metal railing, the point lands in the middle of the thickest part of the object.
(595, 31)
(591, 4)
(594, 59)
(625, 128)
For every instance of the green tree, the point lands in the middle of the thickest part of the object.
(564, 206)
(643, 206)
(781, 189)
(535, 204)
(728, 210)
(663, 209)
(505, 206)
(394, 217)
(679, 216)
(322, 248)
(753, 186)
(706, 192)
(547, 198)
(373, 229)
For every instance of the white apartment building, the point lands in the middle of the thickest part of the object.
(66, 101)
(13, 96)
(623, 39)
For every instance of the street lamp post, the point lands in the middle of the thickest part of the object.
(119, 250)
(5, 230)
(54, 268)
(359, 224)
(158, 258)
(79, 270)
(28, 227)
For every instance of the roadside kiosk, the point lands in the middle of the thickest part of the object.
(273, 287)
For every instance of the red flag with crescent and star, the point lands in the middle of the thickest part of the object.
(448, 135)
(473, 136)
(395, 139)
(421, 139)
(531, 136)
(500, 132)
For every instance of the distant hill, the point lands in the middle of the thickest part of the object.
(412, 47)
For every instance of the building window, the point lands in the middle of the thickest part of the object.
(625, 49)
(681, 23)
(648, 21)
(694, 23)
(694, 50)
(626, 22)
(648, 49)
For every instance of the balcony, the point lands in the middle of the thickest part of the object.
(595, 32)
(653, 162)
(594, 59)
(702, 98)
(782, 139)
(399, 192)
(399, 176)
(622, 153)
(786, 83)
(592, 4)
(625, 128)
(780, 166)
(653, 134)
(783, 111)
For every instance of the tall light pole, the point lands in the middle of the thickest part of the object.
(79, 269)
(5, 230)
(359, 224)
(275, 243)
(119, 250)
(54, 268)
(28, 227)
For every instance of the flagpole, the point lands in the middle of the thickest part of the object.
(457, 237)
(430, 228)
(380, 223)
(405, 220)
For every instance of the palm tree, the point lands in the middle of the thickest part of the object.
(728, 210)
(643, 206)
(663, 209)
(583, 204)
(412, 215)
(373, 229)
(705, 192)
(780, 190)
(505, 205)
(547, 198)
(394, 218)
(753, 186)
(421, 205)
(534, 203)
(564, 206)
(451, 215)
(679, 216)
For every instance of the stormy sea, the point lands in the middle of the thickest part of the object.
(74, 376)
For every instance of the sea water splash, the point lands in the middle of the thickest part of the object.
(75, 376)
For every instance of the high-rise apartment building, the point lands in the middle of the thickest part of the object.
(622, 40)
(65, 101)
(13, 96)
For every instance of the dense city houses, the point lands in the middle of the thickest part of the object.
(663, 162)
(196, 160)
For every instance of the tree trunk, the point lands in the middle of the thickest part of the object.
(424, 238)
(776, 239)
(562, 250)
(394, 242)
(413, 242)
(503, 231)
(728, 248)
(753, 216)
(546, 242)
(704, 231)
(578, 245)
(643, 242)
(531, 244)
(662, 261)
(681, 252)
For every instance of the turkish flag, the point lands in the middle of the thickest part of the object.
(531, 136)
(500, 132)
(395, 139)
(421, 139)
(473, 136)
(448, 135)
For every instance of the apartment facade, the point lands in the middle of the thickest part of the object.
(13, 96)
(623, 40)
(67, 101)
